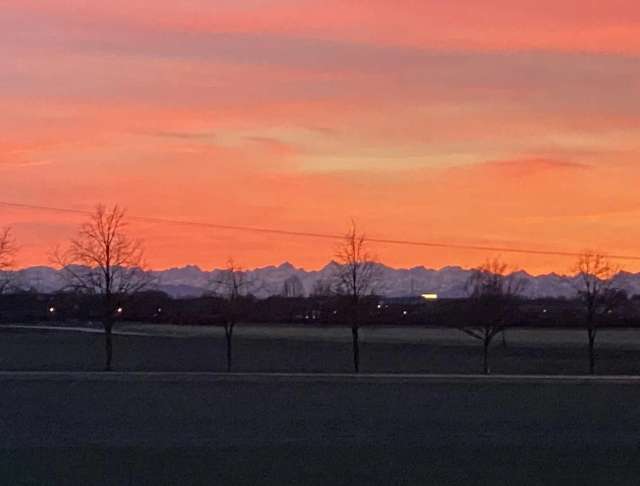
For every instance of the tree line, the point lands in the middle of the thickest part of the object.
(105, 262)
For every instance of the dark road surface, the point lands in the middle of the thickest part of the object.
(192, 430)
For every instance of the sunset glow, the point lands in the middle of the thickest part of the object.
(479, 123)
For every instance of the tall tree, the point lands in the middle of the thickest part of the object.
(356, 276)
(594, 282)
(8, 251)
(232, 285)
(493, 293)
(322, 288)
(103, 260)
(292, 287)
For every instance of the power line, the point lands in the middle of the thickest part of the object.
(328, 236)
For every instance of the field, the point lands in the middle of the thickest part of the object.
(157, 428)
(313, 349)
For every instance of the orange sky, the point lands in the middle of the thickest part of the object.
(470, 122)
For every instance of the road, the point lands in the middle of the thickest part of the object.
(146, 428)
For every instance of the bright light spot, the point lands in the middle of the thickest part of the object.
(52, 309)
(119, 310)
(159, 309)
(379, 306)
(404, 313)
(430, 296)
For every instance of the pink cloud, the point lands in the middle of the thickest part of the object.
(491, 24)
(301, 114)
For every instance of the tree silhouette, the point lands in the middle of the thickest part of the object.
(232, 285)
(594, 282)
(8, 251)
(103, 260)
(356, 276)
(493, 293)
(292, 287)
(322, 288)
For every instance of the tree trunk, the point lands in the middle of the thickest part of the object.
(228, 331)
(356, 348)
(108, 345)
(592, 356)
(486, 356)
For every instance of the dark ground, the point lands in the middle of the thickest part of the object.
(197, 431)
(56, 350)
(141, 430)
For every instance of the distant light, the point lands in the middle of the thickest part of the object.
(52, 310)
(430, 296)
(544, 311)
(159, 309)
(404, 313)
(379, 306)
(119, 310)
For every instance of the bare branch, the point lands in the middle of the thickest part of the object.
(231, 283)
(357, 274)
(8, 250)
(493, 291)
(102, 258)
(594, 283)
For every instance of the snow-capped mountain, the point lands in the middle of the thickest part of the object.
(286, 279)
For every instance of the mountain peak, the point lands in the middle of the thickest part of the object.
(448, 282)
(286, 266)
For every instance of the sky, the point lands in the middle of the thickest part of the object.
(474, 122)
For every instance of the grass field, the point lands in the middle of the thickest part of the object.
(136, 429)
(196, 431)
(298, 349)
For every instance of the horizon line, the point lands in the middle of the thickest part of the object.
(319, 269)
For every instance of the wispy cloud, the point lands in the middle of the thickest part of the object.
(185, 135)
(494, 120)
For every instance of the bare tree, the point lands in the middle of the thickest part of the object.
(8, 251)
(232, 285)
(292, 287)
(103, 260)
(594, 281)
(356, 276)
(493, 293)
(322, 288)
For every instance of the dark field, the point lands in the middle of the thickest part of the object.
(146, 430)
(155, 429)
(268, 350)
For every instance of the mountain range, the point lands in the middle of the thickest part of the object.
(447, 282)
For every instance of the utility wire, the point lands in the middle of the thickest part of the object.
(327, 236)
